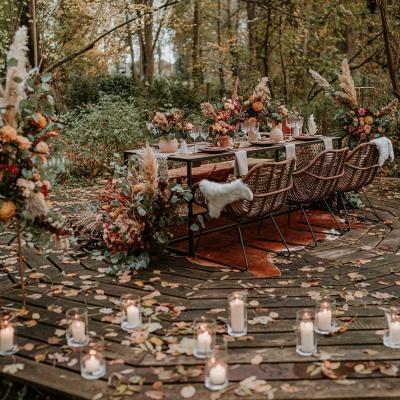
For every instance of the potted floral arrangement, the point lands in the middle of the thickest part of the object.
(222, 118)
(27, 170)
(168, 128)
(277, 112)
(359, 124)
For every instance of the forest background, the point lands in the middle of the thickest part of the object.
(115, 62)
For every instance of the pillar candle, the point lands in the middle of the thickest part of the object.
(92, 364)
(78, 330)
(133, 315)
(324, 319)
(237, 315)
(394, 331)
(204, 342)
(217, 374)
(307, 336)
(6, 338)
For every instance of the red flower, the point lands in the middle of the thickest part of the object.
(13, 169)
(44, 190)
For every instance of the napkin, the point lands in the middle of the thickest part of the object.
(328, 143)
(385, 149)
(241, 166)
(290, 149)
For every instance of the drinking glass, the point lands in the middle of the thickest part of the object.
(299, 124)
(194, 134)
(93, 362)
(77, 327)
(245, 127)
(204, 336)
(290, 123)
(216, 371)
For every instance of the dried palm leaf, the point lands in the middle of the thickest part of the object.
(320, 80)
(347, 84)
(86, 225)
(390, 108)
(312, 127)
(149, 170)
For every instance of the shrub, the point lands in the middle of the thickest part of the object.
(93, 133)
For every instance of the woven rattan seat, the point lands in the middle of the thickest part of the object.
(270, 183)
(316, 181)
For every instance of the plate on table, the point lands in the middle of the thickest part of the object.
(264, 133)
(213, 149)
(262, 142)
(308, 137)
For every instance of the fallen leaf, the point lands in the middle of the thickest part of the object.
(256, 360)
(13, 368)
(188, 391)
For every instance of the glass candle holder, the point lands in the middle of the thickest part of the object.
(8, 337)
(306, 342)
(131, 313)
(77, 327)
(237, 323)
(391, 338)
(93, 363)
(204, 336)
(325, 316)
(216, 371)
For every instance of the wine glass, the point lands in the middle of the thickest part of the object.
(245, 127)
(290, 122)
(194, 134)
(255, 127)
(204, 133)
(299, 124)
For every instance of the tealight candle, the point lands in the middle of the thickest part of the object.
(6, 338)
(324, 319)
(305, 325)
(77, 327)
(325, 316)
(237, 314)
(130, 310)
(204, 342)
(92, 364)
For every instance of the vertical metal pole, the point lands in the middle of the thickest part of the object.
(190, 210)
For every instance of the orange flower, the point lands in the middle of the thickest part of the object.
(8, 133)
(40, 121)
(23, 142)
(252, 119)
(257, 106)
(7, 211)
(42, 148)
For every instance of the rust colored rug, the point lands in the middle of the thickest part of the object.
(222, 248)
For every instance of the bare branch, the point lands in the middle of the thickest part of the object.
(90, 45)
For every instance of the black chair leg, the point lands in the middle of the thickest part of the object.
(198, 241)
(309, 225)
(346, 214)
(372, 206)
(288, 217)
(243, 248)
(282, 237)
(334, 217)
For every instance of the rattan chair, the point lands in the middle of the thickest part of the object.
(316, 181)
(270, 183)
(306, 153)
(360, 169)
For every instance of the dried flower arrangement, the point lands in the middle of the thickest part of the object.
(359, 123)
(170, 125)
(27, 170)
(138, 207)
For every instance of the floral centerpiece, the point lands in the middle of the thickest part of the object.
(359, 123)
(138, 207)
(27, 169)
(258, 102)
(168, 128)
(222, 118)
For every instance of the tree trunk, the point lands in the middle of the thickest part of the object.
(28, 18)
(285, 90)
(252, 31)
(196, 47)
(267, 48)
(148, 42)
(131, 50)
(221, 66)
(393, 72)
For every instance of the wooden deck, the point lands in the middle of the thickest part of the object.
(361, 269)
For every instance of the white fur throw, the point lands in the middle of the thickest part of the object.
(219, 195)
(385, 149)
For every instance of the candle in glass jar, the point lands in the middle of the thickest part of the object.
(307, 336)
(6, 338)
(394, 331)
(78, 330)
(204, 340)
(324, 319)
(217, 374)
(237, 314)
(133, 315)
(92, 363)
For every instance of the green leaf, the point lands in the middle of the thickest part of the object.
(12, 62)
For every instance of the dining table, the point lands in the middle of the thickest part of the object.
(193, 159)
